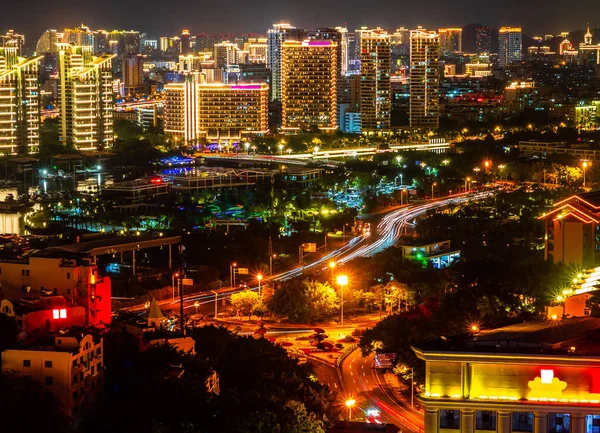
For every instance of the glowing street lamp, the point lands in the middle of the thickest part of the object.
(434, 184)
(487, 163)
(173, 276)
(342, 281)
(349, 403)
(467, 180)
(332, 265)
(259, 278)
(247, 146)
(399, 159)
(196, 304)
(281, 148)
(585, 165)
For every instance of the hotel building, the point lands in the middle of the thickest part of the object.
(309, 85)
(510, 45)
(215, 111)
(275, 38)
(534, 377)
(20, 114)
(86, 97)
(424, 79)
(375, 86)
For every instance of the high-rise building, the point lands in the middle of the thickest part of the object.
(86, 97)
(47, 42)
(375, 86)
(20, 110)
(424, 78)
(12, 39)
(510, 45)
(339, 35)
(133, 74)
(309, 85)
(221, 112)
(450, 41)
(80, 36)
(257, 50)
(101, 42)
(225, 54)
(275, 37)
(483, 40)
(185, 47)
(400, 41)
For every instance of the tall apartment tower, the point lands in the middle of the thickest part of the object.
(20, 116)
(424, 79)
(450, 41)
(14, 40)
(375, 86)
(181, 109)
(510, 45)
(133, 74)
(483, 40)
(185, 47)
(275, 37)
(309, 85)
(86, 97)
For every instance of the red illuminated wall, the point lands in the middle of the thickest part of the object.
(100, 306)
(44, 320)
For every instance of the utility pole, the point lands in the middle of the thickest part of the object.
(180, 287)
(216, 304)
(270, 257)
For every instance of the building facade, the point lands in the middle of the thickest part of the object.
(275, 38)
(535, 377)
(133, 74)
(483, 40)
(450, 41)
(181, 110)
(86, 97)
(510, 46)
(375, 86)
(309, 85)
(20, 111)
(424, 79)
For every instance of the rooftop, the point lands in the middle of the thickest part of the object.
(574, 337)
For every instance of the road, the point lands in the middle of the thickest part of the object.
(368, 388)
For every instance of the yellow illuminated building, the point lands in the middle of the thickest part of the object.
(219, 112)
(86, 97)
(20, 114)
(309, 85)
(535, 377)
(424, 78)
(375, 85)
(450, 40)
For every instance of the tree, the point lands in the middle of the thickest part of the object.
(245, 302)
(304, 301)
(322, 300)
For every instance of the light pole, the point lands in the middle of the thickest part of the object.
(196, 304)
(412, 387)
(467, 179)
(281, 148)
(349, 403)
(247, 146)
(232, 274)
(332, 265)
(342, 281)
(216, 305)
(434, 184)
(259, 278)
(173, 276)
(585, 165)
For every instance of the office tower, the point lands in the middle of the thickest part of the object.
(275, 37)
(424, 78)
(483, 40)
(225, 54)
(80, 36)
(510, 45)
(221, 112)
(12, 39)
(185, 47)
(19, 92)
(124, 42)
(309, 85)
(86, 97)
(375, 91)
(450, 41)
(133, 74)
(181, 110)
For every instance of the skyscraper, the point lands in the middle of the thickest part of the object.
(185, 47)
(450, 41)
(309, 85)
(483, 40)
(80, 36)
(510, 45)
(424, 79)
(133, 74)
(225, 54)
(375, 86)
(86, 97)
(275, 37)
(181, 110)
(12, 39)
(19, 92)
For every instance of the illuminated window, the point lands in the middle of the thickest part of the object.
(450, 419)
(559, 423)
(522, 421)
(485, 420)
(547, 376)
(592, 424)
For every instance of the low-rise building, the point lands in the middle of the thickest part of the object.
(68, 364)
(439, 254)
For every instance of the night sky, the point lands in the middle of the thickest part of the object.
(168, 17)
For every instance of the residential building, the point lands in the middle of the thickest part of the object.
(375, 87)
(257, 50)
(69, 365)
(510, 46)
(78, 36)
(483, 40)
(86, 97)
(424, 79)
(181, 110)
(450, 41)
(184, 45)
(536, 376)
(275, 38)
(439, 253)
(225, 54)
(13, 40)
(133, 74)
(309, 85)
(20, 115)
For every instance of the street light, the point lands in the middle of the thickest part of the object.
(467, 180)
(399, 159)
(487, 163)
(196, 304)
(585, 165)
(247, 146)
(434, 184)
(281, 149)
(232, 274)
(332, 265)
(342, 281)
(259, 278)
(173, 276)
(349, 403)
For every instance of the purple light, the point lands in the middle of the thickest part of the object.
(246, 87)
(319, 43)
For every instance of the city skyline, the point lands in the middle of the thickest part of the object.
(158, 18)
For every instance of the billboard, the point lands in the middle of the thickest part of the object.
(385, 360)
